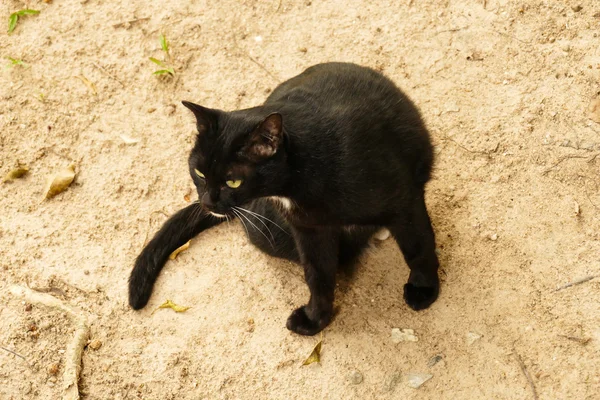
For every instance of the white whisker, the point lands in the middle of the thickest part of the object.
(259, 220)
(242, 221)
(256, 227)
(262, 216)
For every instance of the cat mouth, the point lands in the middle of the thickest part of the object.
(214, 214)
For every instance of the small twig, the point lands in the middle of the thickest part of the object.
(150, 222)
(12, 352)
(526, 373)
(512, 37)
(568, 157)
(484, 4)
(254, 60)
(279, 6)
(104, 71)
(579, 340)
(450, 30)
(133, 21)
(484, 152)
(74, 347)
(577, 282)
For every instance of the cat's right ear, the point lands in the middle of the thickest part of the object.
(206, 118)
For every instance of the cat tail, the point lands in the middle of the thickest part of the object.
(178, 230)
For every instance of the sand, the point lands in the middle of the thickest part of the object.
(507, 90)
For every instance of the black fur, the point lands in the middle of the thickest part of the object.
(350, 153)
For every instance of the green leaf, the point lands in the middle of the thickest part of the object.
(157, 62)
(173, 306)
(171, 71)
(161, 72)
(164, 44)
(12, 22)
(15, 61)
(315, 355)
(27, 12)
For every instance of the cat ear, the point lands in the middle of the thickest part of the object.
(264, 141)
(206, 118)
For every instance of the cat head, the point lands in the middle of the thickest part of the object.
(238, 156)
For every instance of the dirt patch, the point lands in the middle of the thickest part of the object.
(508, 90)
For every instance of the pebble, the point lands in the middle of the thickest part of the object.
(416, 380)
(577, 8)
(95, 344)
(53, 369)
(594, 110)
(355, 377)
(472, 337)
(403, 335)
(170, 109)
(391, 381)
(435, 360)
(494, 237)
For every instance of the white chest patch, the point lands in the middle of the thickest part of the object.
(283, 201)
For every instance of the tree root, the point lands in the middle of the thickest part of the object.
(75, 346)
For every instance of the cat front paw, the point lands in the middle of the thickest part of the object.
(302, 324)
(420, 297)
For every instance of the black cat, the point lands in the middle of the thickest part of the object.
(333, 155)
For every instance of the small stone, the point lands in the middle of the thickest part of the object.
(302, 49)
(472, 337)
(566, 47)
(151, 110)
(95, 344)
(53, 369)
(403, 335)
(435, 360)
(577, 8)
(494, 237)
(86, 272)
(416, 380)
(170, 109)
(355, 377)
(391, 381)
(28, 307)
(594, 110)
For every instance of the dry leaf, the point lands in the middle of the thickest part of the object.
(59, 182)
(315, 356)
(88, 83)
(173, 306)
(129, 140)
(179, 250)
(16, 173)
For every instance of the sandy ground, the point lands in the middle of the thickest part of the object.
(505, 88)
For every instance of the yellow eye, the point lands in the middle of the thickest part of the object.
(200, 174)
(234, 184)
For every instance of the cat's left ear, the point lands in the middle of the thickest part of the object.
(206, 118)
(266, 139)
